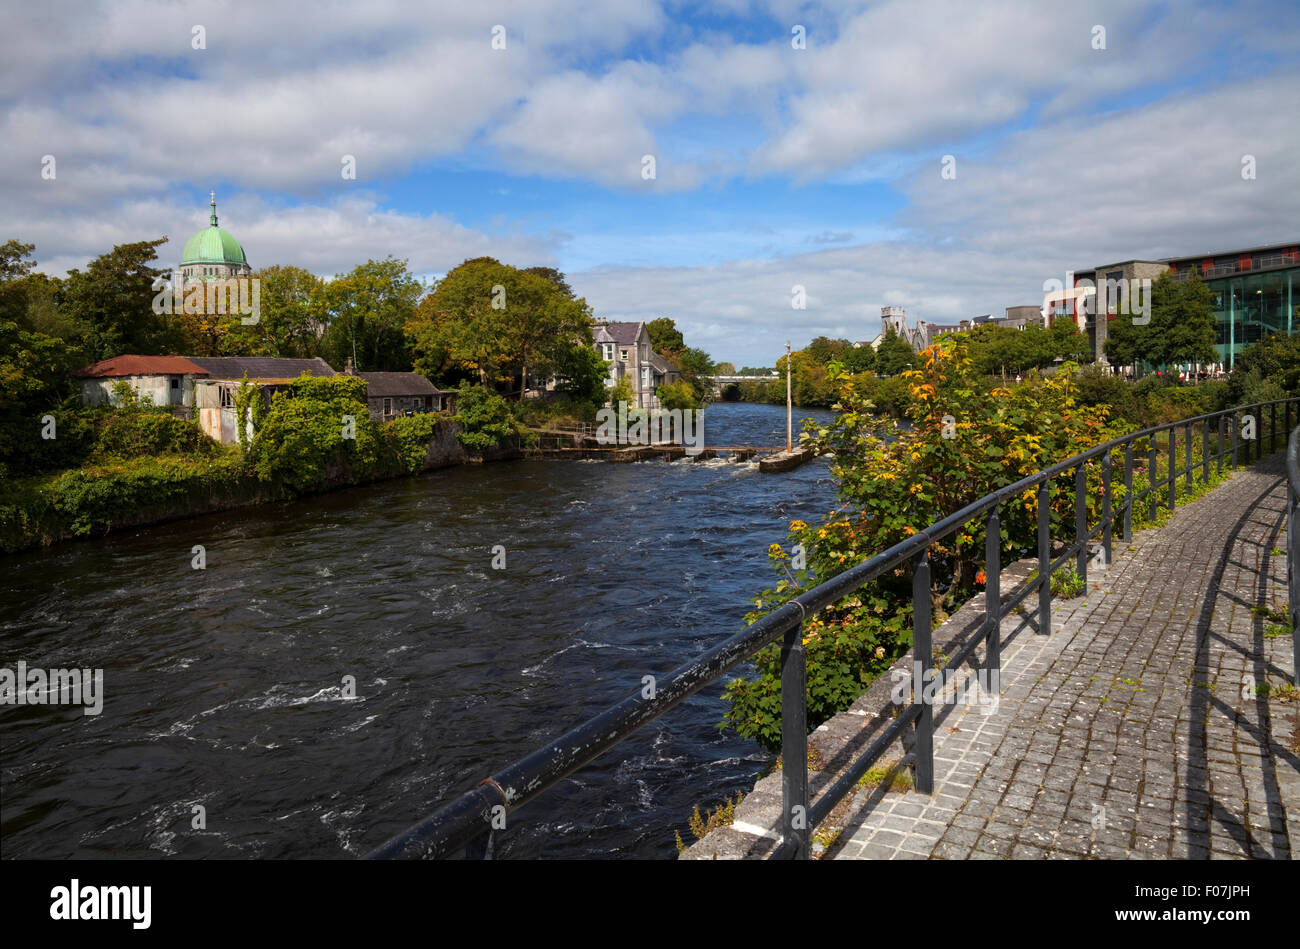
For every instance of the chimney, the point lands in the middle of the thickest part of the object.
(349, 369)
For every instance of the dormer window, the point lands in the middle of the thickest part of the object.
(607, 351)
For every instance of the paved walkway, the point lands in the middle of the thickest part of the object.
(1135, 729)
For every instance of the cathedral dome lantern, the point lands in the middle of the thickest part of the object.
(213, 253)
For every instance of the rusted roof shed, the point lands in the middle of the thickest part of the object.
(141, 366)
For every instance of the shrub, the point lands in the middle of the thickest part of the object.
(893, 481)
(486, 420)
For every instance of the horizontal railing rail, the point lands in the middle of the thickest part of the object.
(471, 819)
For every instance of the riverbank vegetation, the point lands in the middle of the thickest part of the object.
(964, 436)
(137, 463)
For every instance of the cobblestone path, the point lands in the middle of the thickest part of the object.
(1138, 727)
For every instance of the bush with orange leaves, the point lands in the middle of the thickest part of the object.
(961, 441)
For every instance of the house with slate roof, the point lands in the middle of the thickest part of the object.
(390, 394)
(626, 348)
(215, 393)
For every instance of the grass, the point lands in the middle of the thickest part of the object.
(723, 816)
(892, 776)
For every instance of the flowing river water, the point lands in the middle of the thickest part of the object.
(225, 689)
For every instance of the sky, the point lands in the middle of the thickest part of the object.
(695, 161)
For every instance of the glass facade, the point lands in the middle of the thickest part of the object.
(1250, 306)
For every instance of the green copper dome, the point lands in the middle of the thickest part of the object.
(213, 245)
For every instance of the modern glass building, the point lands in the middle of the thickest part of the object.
(1256, 292)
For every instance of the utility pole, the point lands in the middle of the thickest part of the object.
(789, 405)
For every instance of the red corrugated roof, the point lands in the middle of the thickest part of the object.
(140, 366)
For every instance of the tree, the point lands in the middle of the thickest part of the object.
(34, 383)
(893, 355)
(581, 374)
(293, 316)
(823, 349)
(502, 324)
(112, 300)
(1180, 327)
(859, 359)
(697, 369)
(666, 338)
(369, 309)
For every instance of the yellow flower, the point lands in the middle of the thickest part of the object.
(797, 525)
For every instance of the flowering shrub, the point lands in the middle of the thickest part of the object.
(960, 444)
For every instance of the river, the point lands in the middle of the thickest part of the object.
(225, 695)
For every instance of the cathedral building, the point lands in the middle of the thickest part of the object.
(213, 253)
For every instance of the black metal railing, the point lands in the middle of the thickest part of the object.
(471, 820)
(1293, 549)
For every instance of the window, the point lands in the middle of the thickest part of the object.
(622, 354)
(645, 377)
(227, 397)
(607, 351)
(388, 406)
(176, 383)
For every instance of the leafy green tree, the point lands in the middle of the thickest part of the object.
(823, 349)
(1180, 329)
(34, 383)
(666, 338)
(697, 369)
(580, 374)
(894, 355)
(503, 324)
(677, 395)
(369, 308)
(1274, 359)
(112, 299)
(485, 419)
(293, 317)
(859, 359)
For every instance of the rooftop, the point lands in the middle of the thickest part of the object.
(141, 366)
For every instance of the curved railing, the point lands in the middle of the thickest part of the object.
(1293, 549)
(471, 819)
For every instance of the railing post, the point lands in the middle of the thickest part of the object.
(1205, 451)
(794, 743)
(1105, 510)
(1173, 457)
(1272, 427)
(1044, 562)
(1293, 575)
(1081, 520)
(1223, 421)
(922, 653)
(993, 600)
(1236, 437)
(1128, 492)
(1153, 475)
(1187, 453)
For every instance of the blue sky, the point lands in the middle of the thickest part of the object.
(775, 167)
